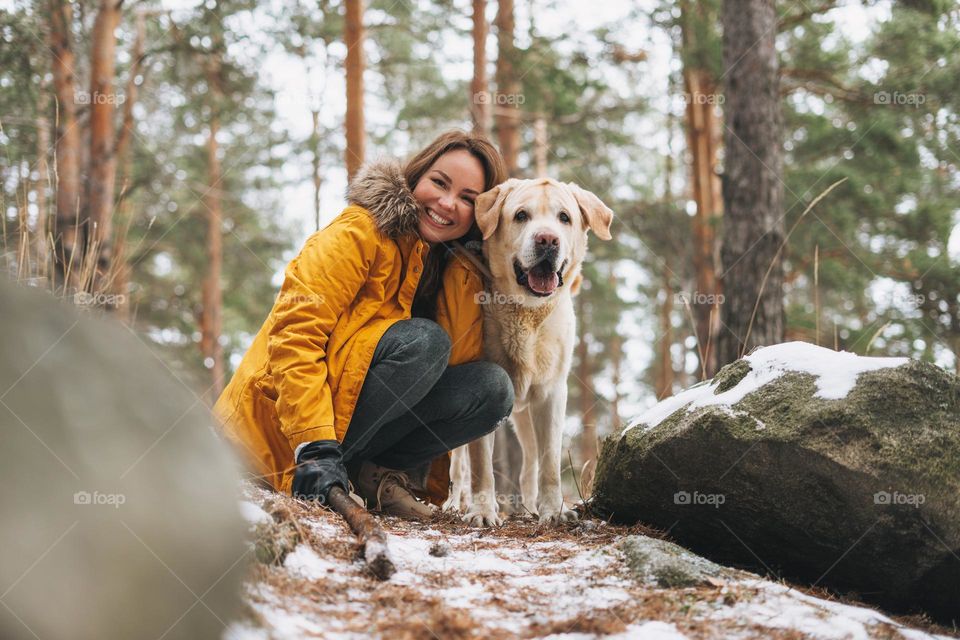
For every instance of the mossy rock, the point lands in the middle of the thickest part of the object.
(860, 493)
(668, 565)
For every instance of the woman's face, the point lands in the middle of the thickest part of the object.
(447, 192)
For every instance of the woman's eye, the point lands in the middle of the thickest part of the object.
(564, 218)
(437, 182)
(469, 201)
(520, 216)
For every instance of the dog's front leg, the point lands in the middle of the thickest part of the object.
(459, 499)
(548, 414)
(483, 509)
(529, 487)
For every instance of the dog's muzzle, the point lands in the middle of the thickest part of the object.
(542, 279)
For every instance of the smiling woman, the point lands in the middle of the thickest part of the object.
(448, 201)
(368, 368)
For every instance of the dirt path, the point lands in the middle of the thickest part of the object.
(518, 581)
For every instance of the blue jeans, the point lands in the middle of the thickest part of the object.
(413, 407)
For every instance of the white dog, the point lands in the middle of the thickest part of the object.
(535, 240)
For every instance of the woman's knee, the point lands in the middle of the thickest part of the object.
(498, 390)
(426, 338)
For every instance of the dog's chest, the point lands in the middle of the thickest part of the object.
(527, 343)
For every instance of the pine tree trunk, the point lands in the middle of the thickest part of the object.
(541, 146)
(752, 189)
(40, 240)
(616, 362)
(504, 103)
(120, 267)
(317, 177)
(663, 385)
(211, 323)
(103, 165)
(353, 38)
(702, 137)
(69, 234)
(481, 109)
(588, 437)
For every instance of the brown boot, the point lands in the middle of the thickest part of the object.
(387, 491)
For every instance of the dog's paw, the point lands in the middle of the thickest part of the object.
(482, 518)
(451, 504)
(558, 517)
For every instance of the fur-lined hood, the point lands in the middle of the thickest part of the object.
(380, 188)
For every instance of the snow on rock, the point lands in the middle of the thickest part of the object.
(777, 606)
(835, 372)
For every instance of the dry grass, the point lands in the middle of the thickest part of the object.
(356, 603)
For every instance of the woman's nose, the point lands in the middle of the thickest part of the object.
(446, 202)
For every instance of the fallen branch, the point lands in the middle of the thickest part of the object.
(372, 537)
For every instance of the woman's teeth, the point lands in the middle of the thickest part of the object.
(438, 219)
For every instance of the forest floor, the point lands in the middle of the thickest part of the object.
(521, 580)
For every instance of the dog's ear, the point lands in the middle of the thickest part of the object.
(488, 204)
(596, 215)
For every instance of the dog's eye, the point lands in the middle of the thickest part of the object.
(521, 216)
(564, 217)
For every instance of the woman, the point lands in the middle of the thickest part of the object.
(370, 358)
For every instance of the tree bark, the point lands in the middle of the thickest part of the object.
(752, 189)
(70, 219)
(211, 319)
(121, 268)
(663, 385)
(703, 138)
(317, 177)
(481, 109)
(541, 145)
(588, 437)
(353, 38)
(508, 90)
(41, 241)
(103, 161)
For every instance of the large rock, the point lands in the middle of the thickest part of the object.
(120, 513)
(824, 467)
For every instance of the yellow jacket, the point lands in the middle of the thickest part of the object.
(300, 379)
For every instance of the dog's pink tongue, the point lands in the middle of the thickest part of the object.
(545, 283)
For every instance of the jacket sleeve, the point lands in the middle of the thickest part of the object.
(318, 286)
(460, 311)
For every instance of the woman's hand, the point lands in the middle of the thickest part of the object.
(319, 467)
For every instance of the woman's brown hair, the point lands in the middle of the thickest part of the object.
(494, 172)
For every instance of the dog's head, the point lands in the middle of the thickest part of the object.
(535, 234)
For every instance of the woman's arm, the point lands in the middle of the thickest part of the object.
(319, 285)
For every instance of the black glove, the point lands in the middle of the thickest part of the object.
(319, 467)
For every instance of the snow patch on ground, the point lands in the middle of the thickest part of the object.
(530, 583)
(253, 514)
(836, 374)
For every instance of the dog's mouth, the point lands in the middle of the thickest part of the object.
(540, 280)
